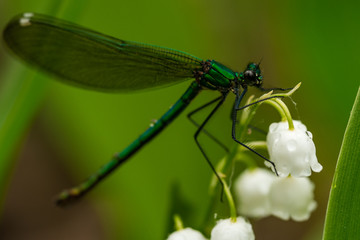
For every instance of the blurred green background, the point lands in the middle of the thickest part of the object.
(52, 135)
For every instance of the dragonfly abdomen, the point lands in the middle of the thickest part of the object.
(119, 158)
(172, 113)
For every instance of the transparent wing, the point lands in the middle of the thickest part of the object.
(89, 59)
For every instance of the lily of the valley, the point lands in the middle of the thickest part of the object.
(292, 197)
(292, 150)
(186, 234)
(252, 189)
(260, 193)
(227, 229)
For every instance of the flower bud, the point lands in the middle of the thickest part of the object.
(292, 197)
(186, 234)
(252, 189)
(292, 151)
(227, 230)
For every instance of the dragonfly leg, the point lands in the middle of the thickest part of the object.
(257, 129)
(189, 116)
(250, 126)
(234, 117)
(200, 129)
(270, 89)
(254, 103)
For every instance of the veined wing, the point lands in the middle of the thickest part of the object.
(89, 59)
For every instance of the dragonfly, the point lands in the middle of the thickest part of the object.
(92, 60)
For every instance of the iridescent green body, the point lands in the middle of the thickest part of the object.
(89, 59)
(218, 77)
(154, 129)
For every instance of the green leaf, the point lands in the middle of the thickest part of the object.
(22, 91)
(343, 213)
(19, 100)
(179, 206)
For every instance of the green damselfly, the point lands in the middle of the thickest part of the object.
(92, 60)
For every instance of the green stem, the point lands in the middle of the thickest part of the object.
(245, 114)
(219, 168)
(286, 112)
(230, 199)
(275, 105)
(178, 222)
(254, 145)
(237, 152)
(288, 94)
(242, 156)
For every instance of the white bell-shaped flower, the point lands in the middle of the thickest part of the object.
(228, 230)
(252, 189)
(292, 197)
(186, 234)
(292, 151)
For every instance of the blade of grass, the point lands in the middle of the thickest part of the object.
(20, 96)
(19, 101)
(343, 213)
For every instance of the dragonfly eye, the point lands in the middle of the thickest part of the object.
(250, 75)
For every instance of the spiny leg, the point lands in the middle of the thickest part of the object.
(250, 126)
(254, 103)
(257, 129)
(222, 99)
(236, 109)
(189, 116)
(274, 89)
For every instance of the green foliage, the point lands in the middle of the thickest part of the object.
(181, 207)
(18, 102)
(343, 213)
(20, 97)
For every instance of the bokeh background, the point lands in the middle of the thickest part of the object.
(52, 135)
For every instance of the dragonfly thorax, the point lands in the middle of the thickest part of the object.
(215, 76)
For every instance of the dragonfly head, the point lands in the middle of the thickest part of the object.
(252, 75)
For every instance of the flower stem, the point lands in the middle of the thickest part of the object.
(230, 199)
(178, 223)
(278, 108)
(286, 112)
